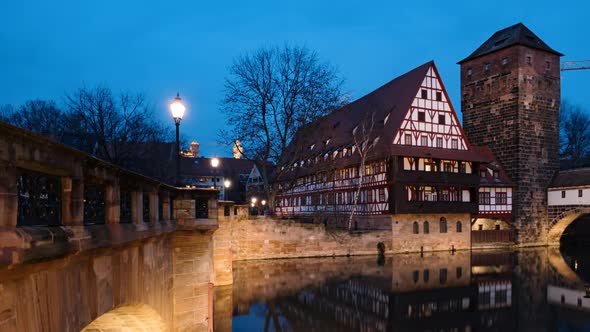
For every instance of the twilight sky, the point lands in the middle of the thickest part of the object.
(48, 48)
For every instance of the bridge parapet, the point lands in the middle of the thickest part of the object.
(58, 204)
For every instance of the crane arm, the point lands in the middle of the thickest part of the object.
(575, 65)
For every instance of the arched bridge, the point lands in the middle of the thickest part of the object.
(568, 199)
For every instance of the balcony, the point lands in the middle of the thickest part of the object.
(436, 178)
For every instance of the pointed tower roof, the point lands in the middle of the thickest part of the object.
(517, 34)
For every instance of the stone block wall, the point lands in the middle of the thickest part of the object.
(67, 294)
(193, 271)
(514, 109)
(405, 240)
(263, 238)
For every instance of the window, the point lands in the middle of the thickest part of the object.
(482, 173)
(459, 272)
(580, 193)
(547, 64)
(447, 167)
(424, 94)
(480, 227)
(459, 227)
(496, 174)
(438, 96)
(529, 60)
(443, 225)
(416, 228)
(426, 275)
(454, 143)
(439, 142)
(563, 194)
(370, 196)
(424, 140)
(441, 119)
(415, 276)
(445, 195)
(505, 61)
(487, 66)
(497, 227)
(382, 195)
(442, 274)
(426, 228)
(469, 72)
(421, 116)
(501, 198)
(484, 198)
(408, 139)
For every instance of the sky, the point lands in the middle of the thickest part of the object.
(159, 48)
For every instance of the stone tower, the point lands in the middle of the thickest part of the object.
(510, 95)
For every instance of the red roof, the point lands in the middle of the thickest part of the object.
(393, 99)
(489, 161)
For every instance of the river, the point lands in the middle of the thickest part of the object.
(524, 290)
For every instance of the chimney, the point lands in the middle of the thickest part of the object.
(195, 149)
(238, 150)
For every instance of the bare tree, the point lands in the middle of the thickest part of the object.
(39, 116)
(363, 144)
(111, 125)
(575, 133)
(269, 95)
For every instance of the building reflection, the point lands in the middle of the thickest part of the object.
(461, 291)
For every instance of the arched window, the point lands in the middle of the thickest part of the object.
(415, 276)
(426, 227)
(426, 275)
(459, 227)
(443, 225)
(442, 274)
(416, 228)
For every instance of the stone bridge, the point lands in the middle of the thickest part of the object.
(87, 245)
(568, 199)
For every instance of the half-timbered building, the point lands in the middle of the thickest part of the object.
(397, 158)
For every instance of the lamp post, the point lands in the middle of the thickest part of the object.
(226, 184)
(263, 202)
(177, 108)
(253, 201)
(214, 164)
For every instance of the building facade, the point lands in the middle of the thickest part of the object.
(396, 158)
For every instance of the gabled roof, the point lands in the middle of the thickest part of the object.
(393, 99)
(577, 177)
(517, 34)
(489, 161)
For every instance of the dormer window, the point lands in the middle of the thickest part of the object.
(496, 174)
(482, 173)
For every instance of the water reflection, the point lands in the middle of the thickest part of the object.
(528, 290)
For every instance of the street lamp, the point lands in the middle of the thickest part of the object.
(214, 164)
(226, 184)
(177, 108)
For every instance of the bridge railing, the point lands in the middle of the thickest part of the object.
(47, 188)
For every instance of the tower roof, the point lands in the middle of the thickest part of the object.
(517, 34)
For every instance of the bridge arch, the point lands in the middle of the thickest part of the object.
(561, 220)
(128, 318)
